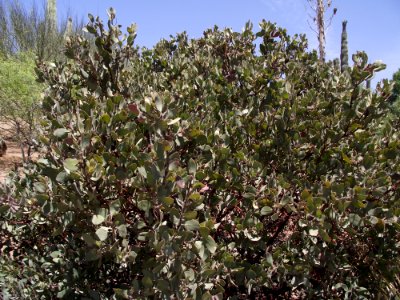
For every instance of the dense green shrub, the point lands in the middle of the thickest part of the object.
(205, 169)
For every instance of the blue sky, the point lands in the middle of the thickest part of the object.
(373, 26)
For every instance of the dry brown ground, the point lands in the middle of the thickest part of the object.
(13, 155)
(11, 160)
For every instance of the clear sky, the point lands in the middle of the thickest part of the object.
(373, 26)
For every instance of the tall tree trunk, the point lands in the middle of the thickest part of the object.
(68, 29)
(344, 51)
(52, 15)
(50, 37)
(321, 28)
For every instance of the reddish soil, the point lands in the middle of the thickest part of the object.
(11, 160)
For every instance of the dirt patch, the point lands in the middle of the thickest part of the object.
(11, 160)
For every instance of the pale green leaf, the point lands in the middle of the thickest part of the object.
(159, 104)
(192, 225)
(172, 122)
(192, 167)
(115, 207)
(70, 164)
(102, 233)
(266, 210)
(122, 230)
(98, 219)
(61, 132)
(210, 244)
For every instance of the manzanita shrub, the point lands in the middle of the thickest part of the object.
(232, 166)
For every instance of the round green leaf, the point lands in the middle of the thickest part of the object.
(192, 225)
(102, 233)
(266, 210)
(98, 219)
(71, 164)
(61, 132)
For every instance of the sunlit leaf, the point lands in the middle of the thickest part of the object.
(266, 210)
(71, 164)
(210, 244)
(98, 219)
(102, 233)
(192, 225)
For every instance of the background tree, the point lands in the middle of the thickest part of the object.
(395, 98)
(31, 29)
(320, 7)
(19, 97)
(26, 34)
(396, 87)
(344, 49)
(51, 15)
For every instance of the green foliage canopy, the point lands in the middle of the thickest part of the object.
(20, 94)
(19, 89)
(396, 86)
(395, 97)
(201, 169)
